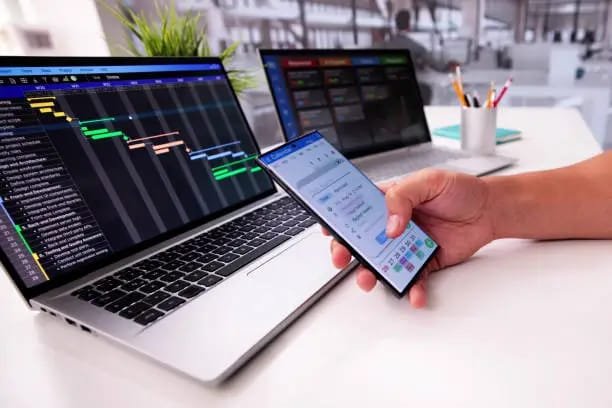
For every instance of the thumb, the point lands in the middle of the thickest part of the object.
(409, 193)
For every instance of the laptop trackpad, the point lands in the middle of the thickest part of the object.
(301, 267)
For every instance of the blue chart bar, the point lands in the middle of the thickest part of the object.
(203, 153)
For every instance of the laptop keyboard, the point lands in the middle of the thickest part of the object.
(147, 290)
(405, 164)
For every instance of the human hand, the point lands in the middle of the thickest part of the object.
(451, 207)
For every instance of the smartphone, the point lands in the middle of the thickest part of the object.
(351, 207)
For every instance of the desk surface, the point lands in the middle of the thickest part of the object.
(521, 324)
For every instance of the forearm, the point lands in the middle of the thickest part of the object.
(570, 202)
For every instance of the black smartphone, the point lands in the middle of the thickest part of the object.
(351, 207)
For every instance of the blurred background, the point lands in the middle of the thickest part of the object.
(557, 51)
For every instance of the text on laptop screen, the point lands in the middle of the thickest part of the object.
(94, 160)
(361, 103)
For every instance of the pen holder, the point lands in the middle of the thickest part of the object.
(478, 127)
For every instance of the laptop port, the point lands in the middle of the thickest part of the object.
(70, 322)
(43, 309)
(52, 313)
(85, 329)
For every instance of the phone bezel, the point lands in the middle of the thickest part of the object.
(333, 232)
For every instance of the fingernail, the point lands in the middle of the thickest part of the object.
(393, 223)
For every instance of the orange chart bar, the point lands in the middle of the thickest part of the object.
(162, 151)
(154, 136)
(167, 145)
(136, 146)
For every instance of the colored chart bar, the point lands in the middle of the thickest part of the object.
(252, 157)
(255, 169)
(42, 105)
(25, 243)
(107, 135)
(84, 122)
(231, 173)
(95, 132)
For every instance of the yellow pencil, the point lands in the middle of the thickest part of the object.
(459, 94)
(489, 94)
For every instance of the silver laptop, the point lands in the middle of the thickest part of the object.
(133, 209)
(367, 104)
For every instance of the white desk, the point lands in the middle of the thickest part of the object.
(523, 324)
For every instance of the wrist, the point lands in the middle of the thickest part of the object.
(503, 205)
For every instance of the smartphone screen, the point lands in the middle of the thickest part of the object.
(353, 208)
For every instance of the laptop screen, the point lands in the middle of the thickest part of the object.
(98, 160)
(362, 101)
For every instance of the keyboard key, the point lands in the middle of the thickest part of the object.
(204, 249)
(302, 217)
(307, 223)
(236, 243)
(223, 240)
(256, 242)
(227, 258)
(261, 230)
(291, 223)
(184, 249)
(124, 302)
(156, 297)
(190, 256)
(222, 250)
(156, 274)
(210, 280)
(191, 291)
(148, 265)
(164, 257)
(149, 316)
(108, 297)
(107, 284)
(128, 274)
(89, 294)
(213, 266)
(268, 236)
(134, 310)
(227, 270)
(172, 276)
(176, 286)
(190, 267)
(249, 236)
(170, 303)
(195, 276)
(294, 231)
(171, 266)
(132, 285)
(245, 249)
(285, 217)
(152, 287)
(280, 229)
(274, 223)
(207, 258)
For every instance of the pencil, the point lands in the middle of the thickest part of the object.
(457, 90)
(467, 101)
(459, 78)
(502, 92)
(489, 94)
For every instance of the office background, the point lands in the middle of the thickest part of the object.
(557, 51)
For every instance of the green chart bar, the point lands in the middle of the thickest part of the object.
(255, 169)
(215, 169)
(19, 232)
(231, 173)
(95, 132)
(84, 122)
(107, 135)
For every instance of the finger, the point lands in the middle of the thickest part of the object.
(340, 255)
(418, 295)
(410, 192)
(365, 279)
(385, 185)
(325, 231)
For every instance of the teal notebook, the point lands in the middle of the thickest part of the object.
(502, 135)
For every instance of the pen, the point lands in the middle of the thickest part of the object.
(476, 100)
(502, 92)
(467, 101)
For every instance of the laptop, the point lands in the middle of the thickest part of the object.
(367, 104)
(132, 209)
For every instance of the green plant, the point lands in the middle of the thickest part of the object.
(174, 35)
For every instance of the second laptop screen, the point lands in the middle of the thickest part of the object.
(361, 103)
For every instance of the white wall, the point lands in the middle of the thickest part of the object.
(74, 24)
